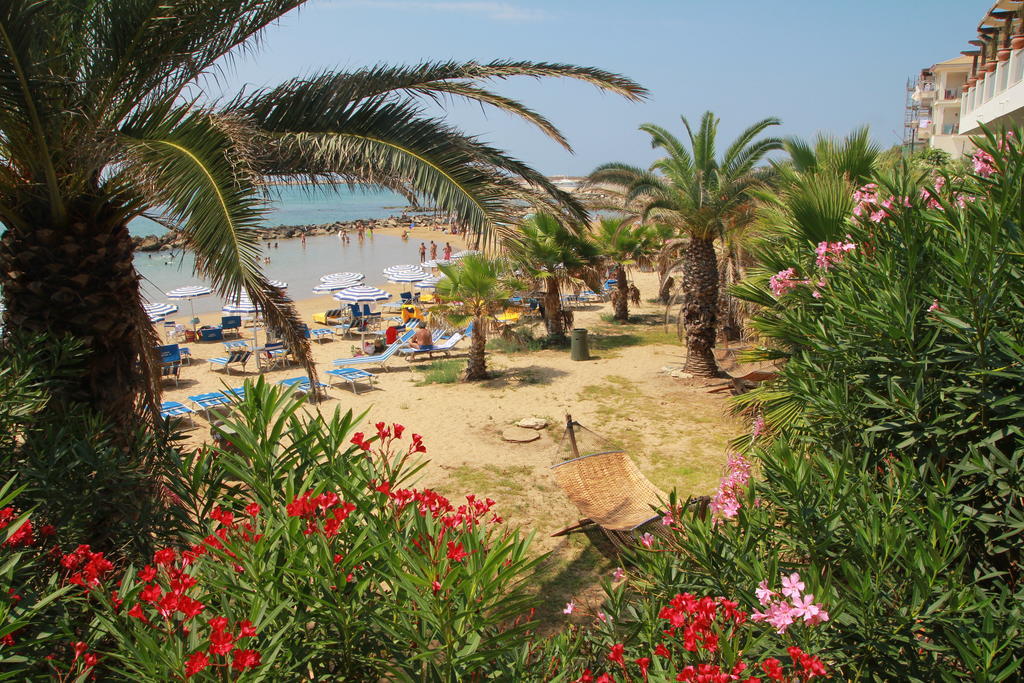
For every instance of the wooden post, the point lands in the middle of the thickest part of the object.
(572, 436)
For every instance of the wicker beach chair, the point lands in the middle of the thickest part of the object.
(609, 491)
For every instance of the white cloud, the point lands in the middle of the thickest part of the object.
(497, 11)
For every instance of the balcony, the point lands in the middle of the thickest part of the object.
(998, 100)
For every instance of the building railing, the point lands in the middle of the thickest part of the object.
(1007, 75)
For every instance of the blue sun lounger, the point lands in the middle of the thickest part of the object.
(175, 409)
(352, 375)
(210, 400)
(381, 358)
(301, 384)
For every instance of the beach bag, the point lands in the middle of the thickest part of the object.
(390, 335)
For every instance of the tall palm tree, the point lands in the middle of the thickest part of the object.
(473, 291)
(624, 243)
(695, 191)
(103, 119)
(554, 252)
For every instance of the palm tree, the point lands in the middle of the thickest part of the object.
(695, 191)
(103, 119)
(624, 243)
(554, 252)
(474, 290)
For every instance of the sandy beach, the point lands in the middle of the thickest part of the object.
(677, 432)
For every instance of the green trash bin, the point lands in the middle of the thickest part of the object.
(578, 348)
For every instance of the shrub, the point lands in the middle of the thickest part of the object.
(316, 559)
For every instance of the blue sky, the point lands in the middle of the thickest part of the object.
(819, 66)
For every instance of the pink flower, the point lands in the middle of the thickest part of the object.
(763, 593)
(725, 504)
(647, 539)
(758, 428)
(602, 617)
(792, 586)
(569, 607)
(618, 574)
(667, 520)
(935, 306)
(878, 216)
(984, 164)
(783, 281)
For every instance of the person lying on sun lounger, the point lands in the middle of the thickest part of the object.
(422, 337)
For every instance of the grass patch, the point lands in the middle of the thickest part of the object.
(441, 372)
(521, 341)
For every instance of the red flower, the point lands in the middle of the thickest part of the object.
(436, 587)
(605, 678)
(772, 668)
(79, 649)
(382, 430)
(147, 573)
(136, 611)
(586, 677)
(218, 623)
(252, 509)
(615, 655)
(662, 651)
(221, 642)
(91, 660)
(165, 556)
(644, 663)
(196, 663)
(246, 630)
(359, 439)
(47, 530)
(455, 552)
(189, 607)
(151, 593)
(417, 444)
(397, 429)
(245, 659)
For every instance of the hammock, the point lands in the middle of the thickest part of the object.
(608, 489)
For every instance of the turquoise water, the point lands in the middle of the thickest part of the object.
(296, 205)
(300, 266)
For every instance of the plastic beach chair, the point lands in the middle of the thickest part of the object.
(321, 334)
(175, 409)
(210, 400)
(240, 357)
(352, 375)
(380, 359)
(301, 384)
(444, 347)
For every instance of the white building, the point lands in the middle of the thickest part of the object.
(995, 88)
(938, 95)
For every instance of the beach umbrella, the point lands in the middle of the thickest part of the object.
(278, 284)
(464, 252)
(410, 276)
(342, 276)
(334, 285)
(240, 304)
(190, 292)
(436, 263)
(430, 282)
(362, 293)
(406, 268)
(156, 312)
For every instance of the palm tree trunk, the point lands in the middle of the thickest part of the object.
(622, 296)
(477, 366)
(81, 283)
(554, 320)
(700, 319)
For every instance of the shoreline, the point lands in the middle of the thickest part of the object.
(417, 227)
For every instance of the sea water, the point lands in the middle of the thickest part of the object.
(299, 265)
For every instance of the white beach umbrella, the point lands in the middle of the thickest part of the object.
(278, 284)
(437, 263)
(464, 252)
(240, 304)
(430, 282)
(410, 276)
(153, 310)
(406, 268)
(362, 293)
(334, 285)
(189, 292)
(342, 276)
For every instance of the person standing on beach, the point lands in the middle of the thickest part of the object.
(433, 251)
(423, 252)
(447, 253)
